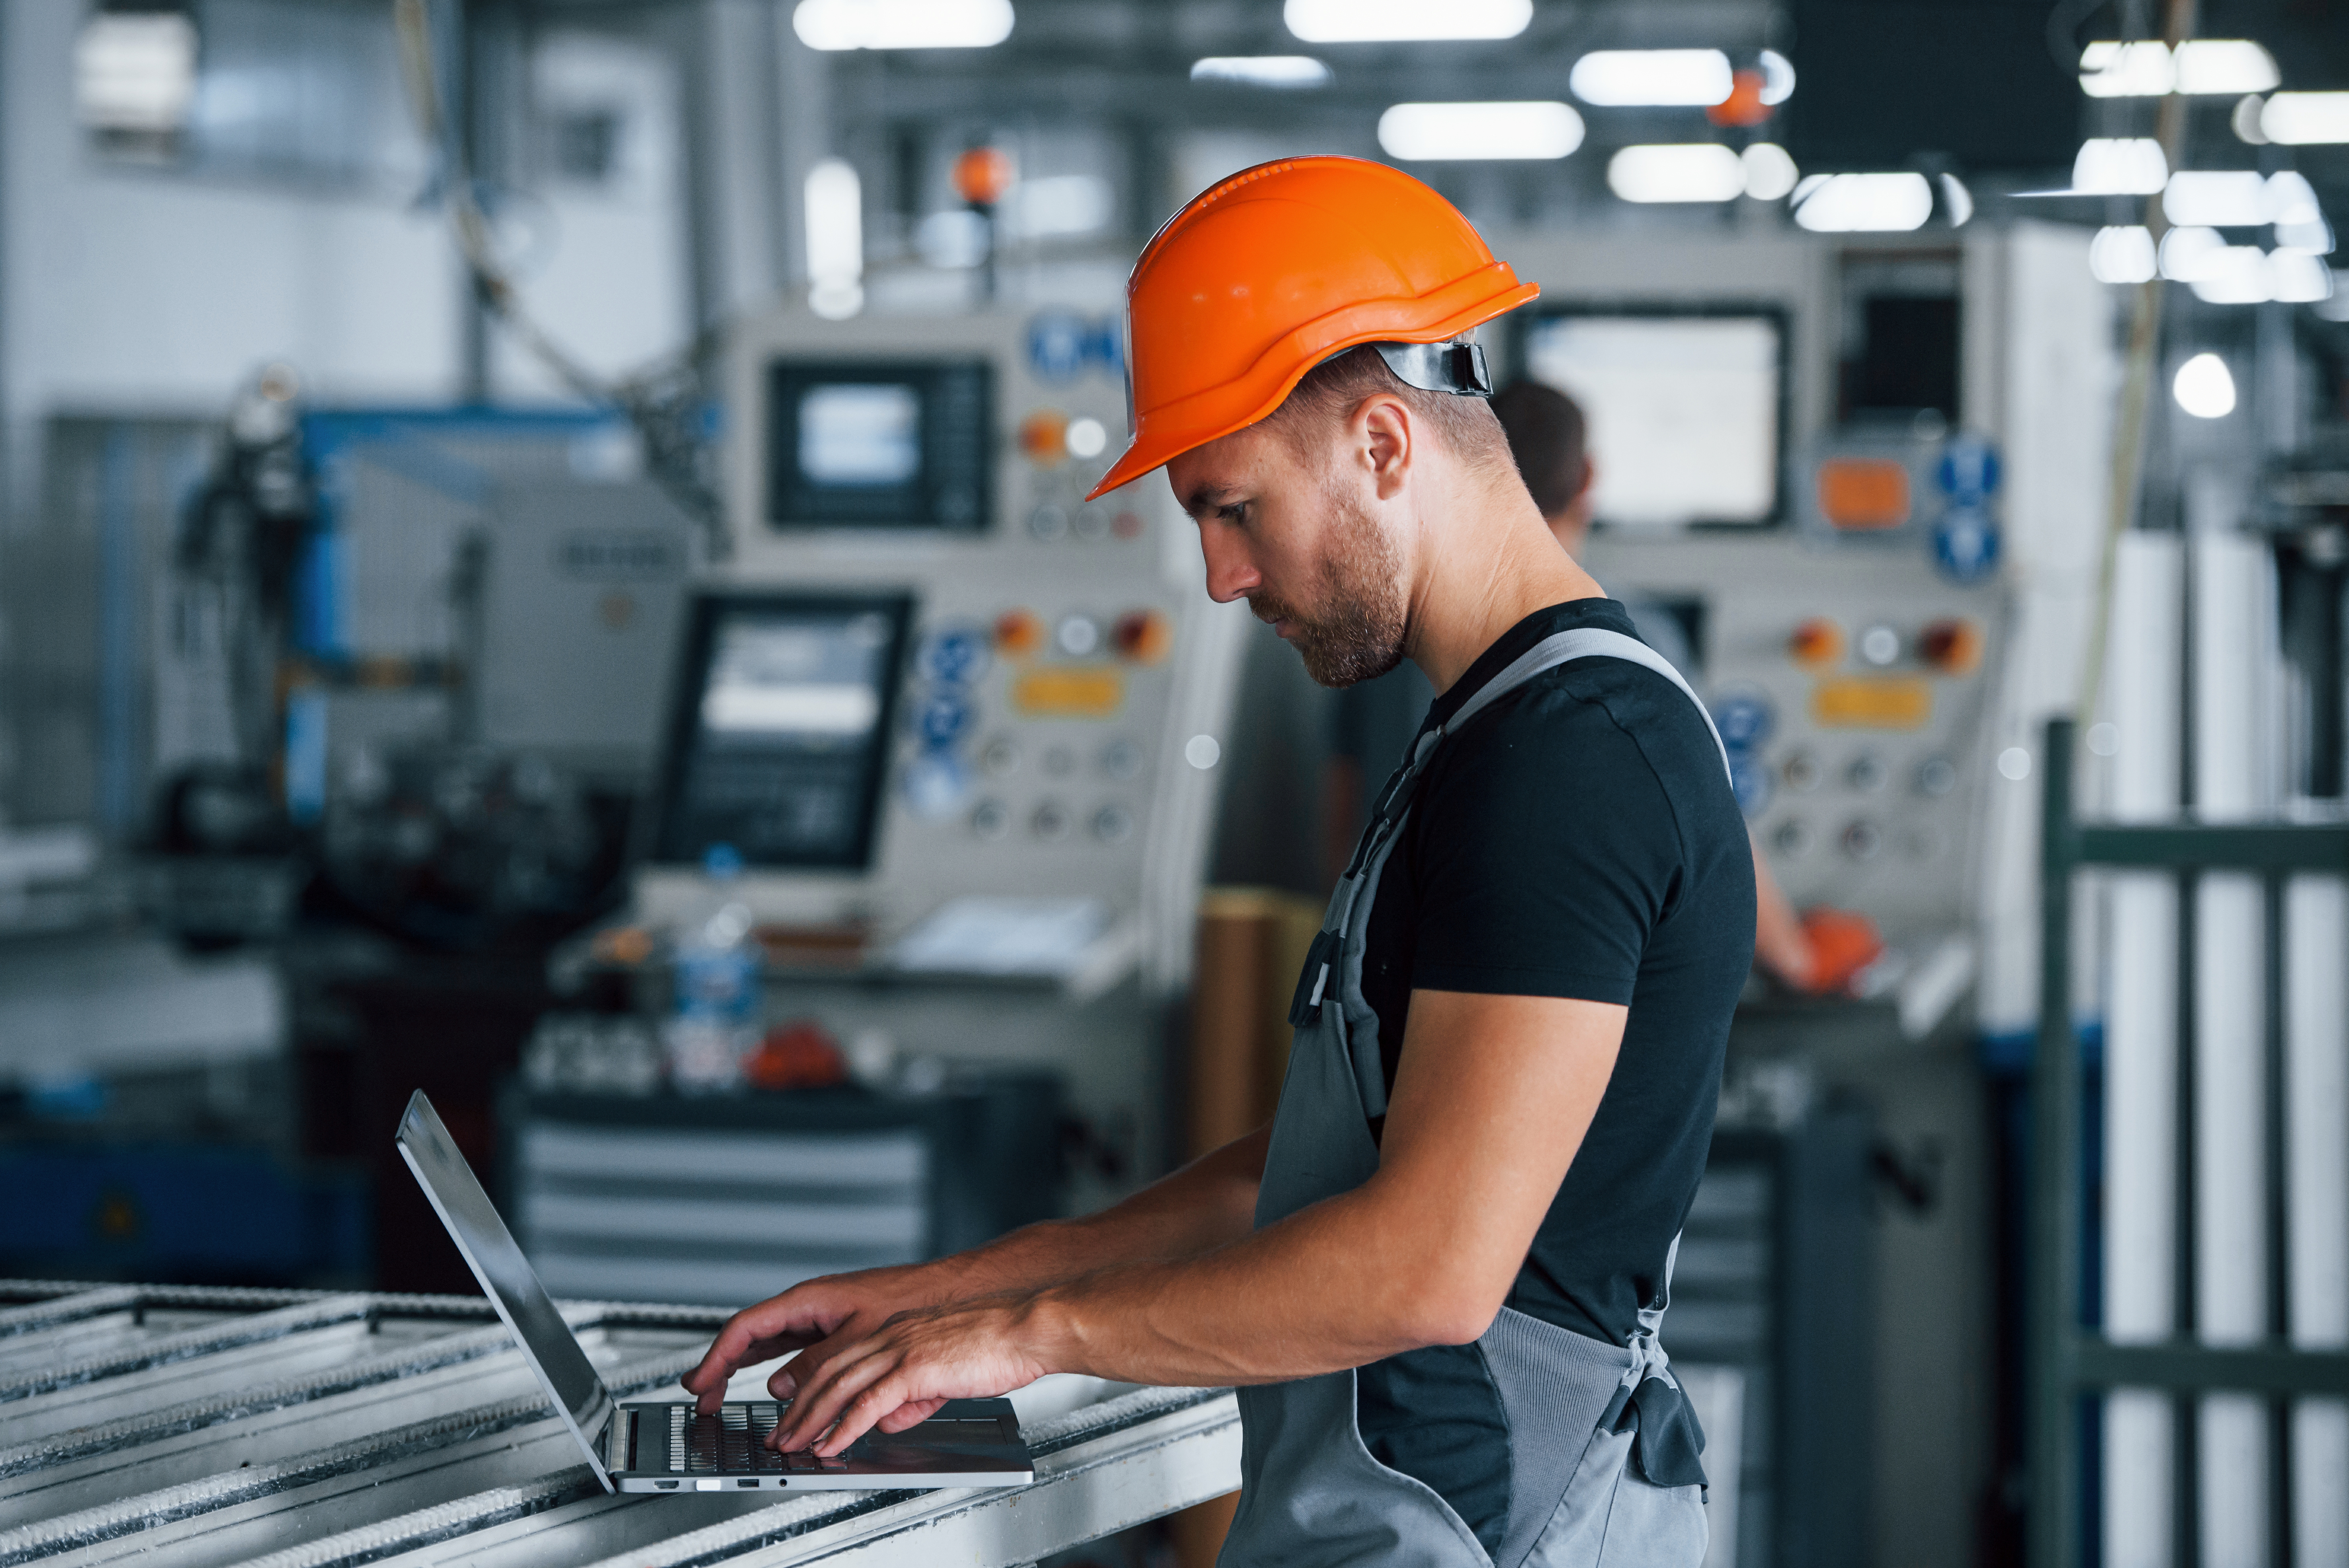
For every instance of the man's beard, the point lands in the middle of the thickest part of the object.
(1357, 632)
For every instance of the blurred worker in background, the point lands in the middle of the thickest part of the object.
(1375, 720)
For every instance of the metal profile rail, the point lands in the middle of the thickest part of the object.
(2066, 1360)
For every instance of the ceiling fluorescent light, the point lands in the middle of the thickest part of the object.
(2216, 199)
(902, 24)
(2122, 254)
(2120, 166)
(2229, 65)
(2109, 69)
(1855, 203)
(2304, 119)
(1262, 71)
(1405, 21)
(1685, 172)
(1638, 79)
(2203, 387)
(1425, 132)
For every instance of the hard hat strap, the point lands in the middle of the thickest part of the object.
(1457, 367)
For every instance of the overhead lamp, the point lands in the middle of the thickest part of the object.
(2234, 275)
(2229, 66)
(2218, 198)
(2291, 199)
(1684, 171)
(1859, 204)
(1405, 21)
(1770, 172)
(2112, 70)
(2306, 119)
(1654, 78)
(833, 205)
(1777, 77)
(2299, 278)
(2204, 388)
(135, 71)
(1430, 132)
(2314, 239)
(2122, 254)
(2188, 254)
(902, 24)
(1288, 71)
(2120, 166)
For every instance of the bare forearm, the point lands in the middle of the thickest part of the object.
(1206, 1204)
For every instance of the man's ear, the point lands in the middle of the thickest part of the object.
(1384, 433)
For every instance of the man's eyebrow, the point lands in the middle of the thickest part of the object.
(1210, 498)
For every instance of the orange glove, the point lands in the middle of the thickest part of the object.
(1842, 944)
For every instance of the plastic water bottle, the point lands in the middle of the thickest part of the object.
(715, 1025)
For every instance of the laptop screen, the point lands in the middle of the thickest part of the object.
(506, 1276)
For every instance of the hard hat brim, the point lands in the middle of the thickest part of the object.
(1166, 433)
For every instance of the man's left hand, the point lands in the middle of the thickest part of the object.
(900, 1374)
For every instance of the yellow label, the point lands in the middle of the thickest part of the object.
(1890, 702)
(1065, 691)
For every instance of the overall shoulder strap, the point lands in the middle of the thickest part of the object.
(1581, 643)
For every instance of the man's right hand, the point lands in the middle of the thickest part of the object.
(833, 1311)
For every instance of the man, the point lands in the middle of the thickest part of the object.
(1438, 1276)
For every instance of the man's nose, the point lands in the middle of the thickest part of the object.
(1230, 573)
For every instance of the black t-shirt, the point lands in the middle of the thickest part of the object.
(1578, 839)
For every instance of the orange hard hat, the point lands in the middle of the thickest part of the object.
(1273, 271)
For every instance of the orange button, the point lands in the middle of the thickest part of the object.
(1068, 691)
(1952, 646)
(1144, 635)
(1854, 703)
(1817, 642)
(1017, 633)
(1864, 493)
(1044, 437)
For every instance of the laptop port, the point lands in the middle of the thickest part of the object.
(666, 1486)
(749, 1483)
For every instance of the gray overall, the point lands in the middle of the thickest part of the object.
(1602, 1446)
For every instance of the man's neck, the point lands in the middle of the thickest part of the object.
(1483, 568)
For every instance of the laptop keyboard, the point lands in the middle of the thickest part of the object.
(731, 1442)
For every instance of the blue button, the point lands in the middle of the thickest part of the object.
(942, 719)
(1743, 721)
(1749, 781)
(1969, 468)
(1059, 343)
(1106, 347)
(1965, 544)
(936, 784)
(955, 657)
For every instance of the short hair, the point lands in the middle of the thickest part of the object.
(1332, 390)
(1547, 436)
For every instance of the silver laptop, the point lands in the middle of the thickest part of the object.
(668, 1445)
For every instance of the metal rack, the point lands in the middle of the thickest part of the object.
(307, 1430)
(2066, 1359)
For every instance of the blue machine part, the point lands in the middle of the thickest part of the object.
(942, 717)
(1744, 721)
(1059, 343)
(936, 783)
(1749, 781)
(1968, 470)
(1965, 544)
(195, 1212)
(956, 656)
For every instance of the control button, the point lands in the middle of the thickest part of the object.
(1112, 825)
(1793, 838)
(1936, 776)
(943, 718)
(990, 819)
(1863, 839)
(1087, 437)
(1122, 760)
(1059, 761)
(1743, 721)
(1801, 773)
(1017, 633)
(935, 784)
(1952, 646)
(1126, 524)
(1091, 525)
(1816, 644)
(1049, 524)
(1044, 437)
(1749, 781)
(1144, 635)
(1866, 773)
(1079, 636)
(1880, 645)
(955, 657)
(1051, 822)
(1921, 844)
(1000, 757)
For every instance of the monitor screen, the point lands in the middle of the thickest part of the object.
(879, 444)
(780, 735)
(1685, 410)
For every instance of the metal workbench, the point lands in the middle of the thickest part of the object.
(298, 1429)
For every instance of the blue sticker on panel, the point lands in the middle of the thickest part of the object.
(1965, 544)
